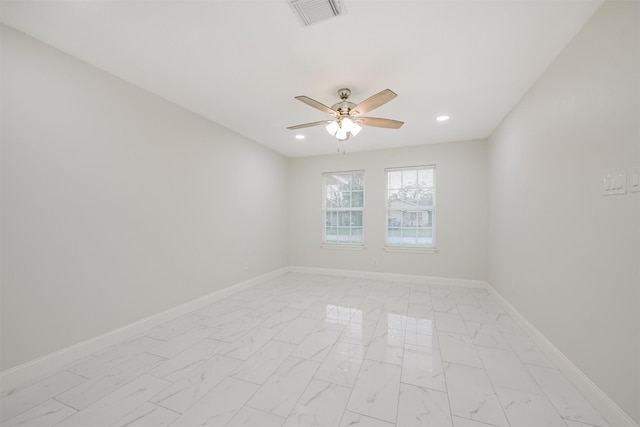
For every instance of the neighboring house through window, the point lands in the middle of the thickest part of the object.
(343, 205)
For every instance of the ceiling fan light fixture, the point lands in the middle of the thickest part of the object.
(350, 126)
(332, 128)
(342, 134)
(347, 123)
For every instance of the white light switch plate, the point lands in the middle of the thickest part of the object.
(614, 183)
(634, 180)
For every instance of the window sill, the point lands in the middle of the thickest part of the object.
(401, 249)
(343, 247)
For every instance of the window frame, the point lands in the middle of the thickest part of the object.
(402, 247)
(336, 244)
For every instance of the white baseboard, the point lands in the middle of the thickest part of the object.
(59, 359)
(598, 399)
(405, 278)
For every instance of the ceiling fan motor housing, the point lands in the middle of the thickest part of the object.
(343, 107)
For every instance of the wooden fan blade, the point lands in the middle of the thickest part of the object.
(317, 105)
(379, 123)
(373, 102)
(308, 125)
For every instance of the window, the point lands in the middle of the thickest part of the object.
(343, 205)
(410, 207)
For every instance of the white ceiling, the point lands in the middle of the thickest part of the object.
(240, 63)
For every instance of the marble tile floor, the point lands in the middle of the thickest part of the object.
(313, 350)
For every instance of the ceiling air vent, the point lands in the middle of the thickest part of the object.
(312, 11)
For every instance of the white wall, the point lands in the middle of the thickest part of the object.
(461, 211)
(117, 204)
(563, 254)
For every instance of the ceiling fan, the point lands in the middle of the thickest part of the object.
(347, 115)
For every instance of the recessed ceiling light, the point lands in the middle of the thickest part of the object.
(442, 118)
(299, 136)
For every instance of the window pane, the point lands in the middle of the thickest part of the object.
(356, 234)
(411, 195)
(423, 219)
(393, 195)
(409, 178)
(409, 219)
(331, 234)
(344, 234)
(343, 218)
(345, 201)
(332, 196)
(394, 218)
(357, 181)
(395, 179)
(409, 240)
(424, 232)
(356, 218)
(357, 199)
(426, 199)
(332, 218)
(425, 177)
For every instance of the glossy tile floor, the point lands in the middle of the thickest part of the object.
(311, 350)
